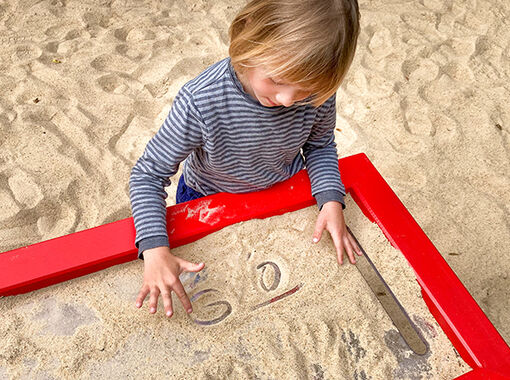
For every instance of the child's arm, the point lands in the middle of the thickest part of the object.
(321, 161)
(179, 135)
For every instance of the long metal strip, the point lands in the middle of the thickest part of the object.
(390, 302)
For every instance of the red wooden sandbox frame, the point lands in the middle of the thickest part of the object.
(475, 338)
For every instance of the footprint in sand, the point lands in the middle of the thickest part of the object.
(380, 44)
(416, 116)
(25, 189)
(108, 62)
(9, 206)
(420, 70)
(63, 318)
(112, 83)
(134, 52)
(133, 34)
(132, 142)
(96, 18)
(26, 53)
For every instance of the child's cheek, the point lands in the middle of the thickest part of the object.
(268, 89)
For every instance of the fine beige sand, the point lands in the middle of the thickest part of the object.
(84, 85)
(324, 324)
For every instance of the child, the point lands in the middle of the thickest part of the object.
(248, 122)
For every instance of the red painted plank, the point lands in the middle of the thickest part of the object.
(70, 256)
(482, 374)
(80, 253)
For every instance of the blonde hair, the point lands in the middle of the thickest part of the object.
(310, 43)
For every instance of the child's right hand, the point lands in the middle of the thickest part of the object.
(161, 275)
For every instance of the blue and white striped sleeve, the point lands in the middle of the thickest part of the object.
(321, 158)
(181, 132)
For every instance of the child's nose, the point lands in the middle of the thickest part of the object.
(285, 98)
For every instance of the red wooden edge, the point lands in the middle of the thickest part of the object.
(481, 373)
(480, 345)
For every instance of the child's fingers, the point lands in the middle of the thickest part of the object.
(141, 296)
(339, 256)
(319, 228)
(339, 249)
(153, 302)
(350, 253)
(357, 249)
(179, 290)
(167, 302)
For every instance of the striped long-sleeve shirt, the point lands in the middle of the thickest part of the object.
(229, 142)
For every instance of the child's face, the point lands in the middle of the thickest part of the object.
(271, 91)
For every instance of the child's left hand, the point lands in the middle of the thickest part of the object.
(331, 218)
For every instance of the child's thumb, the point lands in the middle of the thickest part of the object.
(192, 267)
(319, 227)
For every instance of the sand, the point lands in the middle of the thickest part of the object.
(84, 85)
(326, 324)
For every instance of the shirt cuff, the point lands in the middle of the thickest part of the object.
(152, 242)
(329, 195)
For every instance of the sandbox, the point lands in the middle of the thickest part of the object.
(269, 303)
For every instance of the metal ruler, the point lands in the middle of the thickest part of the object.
(389, 302)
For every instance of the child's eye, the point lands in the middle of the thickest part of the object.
(276, 82)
